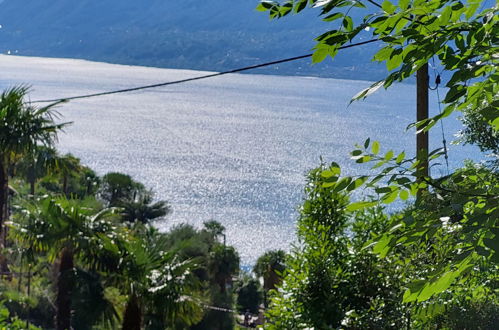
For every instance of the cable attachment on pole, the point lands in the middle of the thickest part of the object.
(437, 82)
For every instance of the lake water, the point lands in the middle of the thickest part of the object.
(234, 148)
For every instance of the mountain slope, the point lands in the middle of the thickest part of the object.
(207, 35)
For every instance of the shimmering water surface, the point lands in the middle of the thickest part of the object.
(234, 148)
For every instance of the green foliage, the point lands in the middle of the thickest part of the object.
(356, 267)
(330, 279)
(270, 266)
(215, 228)
(90, 304)
(24, 127)
(13, 323)
(107, 271)
(223, 263)
(65, 175)
(249, 294)
(477, 130)
(136, 203)
(469, 197)
(218, 265)
(117, 187)
(142, 209)
(50, 225)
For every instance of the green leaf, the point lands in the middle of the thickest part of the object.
(359, 4)
(390, 197)
(495, 124)
(359, 206)
(383, 54)
(381, 244)
(319, 55)
(368, 91)
(382, 190)
(357, 183)
(404, 195)
(388, 7)
(375, 147)
(394, 62)
(404, 4)
(440, 285)
(332, 17)
(363, 159)
(348, 23)
(300, 5)
(342, 184)
(326, 174)
(329, 184)
(492, 243)
(400, 158)
(454, 93)
(366, 143)
(413, 290)
(264, 6)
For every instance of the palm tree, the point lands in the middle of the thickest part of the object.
(68, 231)
(117, 187)
(162, 290)
(22, 128)
(67, 166)
(270, 266)
(142, 209)
(38, 163)
(223, 264)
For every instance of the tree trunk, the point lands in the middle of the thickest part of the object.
(65, 185)
(132, 320)
(4, 194)
(272, 280)
(65, 281)
(32, 179)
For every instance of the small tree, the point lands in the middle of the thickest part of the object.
(22, 128)
(117, 187)
(270, 266)
(461, 39)
(162, 290)
(142, 209)
(67, 231)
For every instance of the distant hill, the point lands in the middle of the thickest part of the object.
(203, 35)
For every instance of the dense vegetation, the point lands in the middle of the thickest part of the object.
(432, 264)
(79, 250)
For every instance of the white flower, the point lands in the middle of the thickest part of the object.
(445, 220)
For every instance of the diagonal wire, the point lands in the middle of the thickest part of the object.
(127, 90)
(444, 141)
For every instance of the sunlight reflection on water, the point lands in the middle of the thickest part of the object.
(234, 148)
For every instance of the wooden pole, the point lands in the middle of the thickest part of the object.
(422, 114)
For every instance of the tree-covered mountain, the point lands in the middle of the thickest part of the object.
(205, 35)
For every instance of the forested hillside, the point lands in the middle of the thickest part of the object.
(205, 35)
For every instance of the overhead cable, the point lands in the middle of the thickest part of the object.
(132, 89)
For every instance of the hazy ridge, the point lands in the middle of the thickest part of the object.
(211, 35)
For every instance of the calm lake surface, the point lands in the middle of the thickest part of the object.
(234, 148)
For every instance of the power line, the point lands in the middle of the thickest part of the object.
(127, 90)
(444, 141)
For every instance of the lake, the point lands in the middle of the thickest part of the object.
(234, 148)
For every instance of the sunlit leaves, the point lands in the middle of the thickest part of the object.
(375, 147)
(461, 36)
(388, 7)
(459, 211)
(368, 91)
